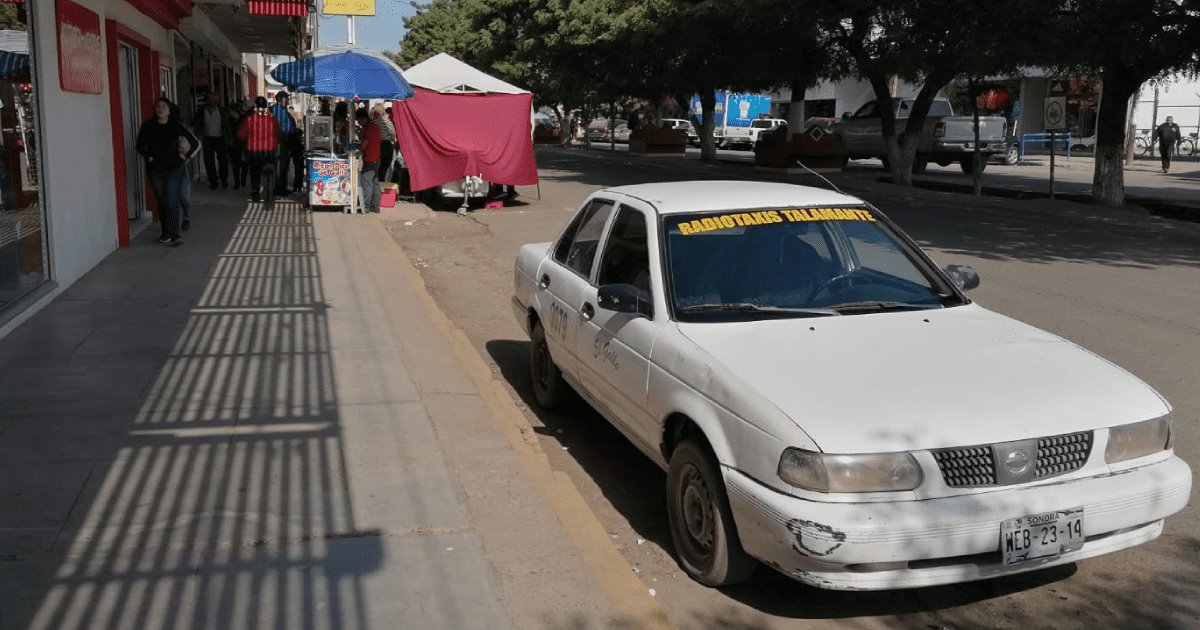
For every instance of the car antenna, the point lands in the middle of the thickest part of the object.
(823, 178)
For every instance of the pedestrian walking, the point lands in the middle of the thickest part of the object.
(213, 125)
(286, 128)
(166, 144)
(238, 111)
(296, 148)
(1167, 135)
(368, 177)
(260, 135)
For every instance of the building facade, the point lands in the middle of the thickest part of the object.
(77, 78)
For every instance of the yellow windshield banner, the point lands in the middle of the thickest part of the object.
(767, 217)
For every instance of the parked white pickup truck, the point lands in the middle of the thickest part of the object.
(747, 136)
(945, 138)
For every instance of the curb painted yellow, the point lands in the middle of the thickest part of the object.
(627, 594)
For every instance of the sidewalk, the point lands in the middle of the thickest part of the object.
(269, 427)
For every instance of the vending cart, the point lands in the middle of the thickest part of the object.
(331, 176)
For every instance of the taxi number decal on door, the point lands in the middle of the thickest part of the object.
(558, 320)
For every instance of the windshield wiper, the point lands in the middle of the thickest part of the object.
(750, 307)
(881, 306)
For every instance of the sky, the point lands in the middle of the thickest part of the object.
(381, 32)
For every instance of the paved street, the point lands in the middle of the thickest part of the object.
(295, 421)
(1116, 281)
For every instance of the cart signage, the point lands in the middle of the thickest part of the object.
(329, 181)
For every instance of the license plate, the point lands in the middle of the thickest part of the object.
(1041, 535)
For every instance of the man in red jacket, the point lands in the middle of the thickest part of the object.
(369, 176)
(259, 134)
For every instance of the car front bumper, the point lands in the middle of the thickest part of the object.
(906, 544)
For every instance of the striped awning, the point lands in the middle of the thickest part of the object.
(286, 8)
(12, 64)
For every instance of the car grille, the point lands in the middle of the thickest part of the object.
(975, 466)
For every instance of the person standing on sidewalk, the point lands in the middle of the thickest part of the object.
(166, 146)
(369, 176)
(387, 140)
(238, 111)
(213, 126)
(296, 147)
(287, 126)
(1167, 135)
(259, 134)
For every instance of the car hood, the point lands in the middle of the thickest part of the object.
(886, 382)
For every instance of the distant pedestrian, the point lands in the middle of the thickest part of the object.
(287, 127)
(166, 146)
(632, 121)
(1168, 136)
(212, 123)
(368, 177)
(387, 140)
(296, 148)
(238, 112)
(260, 136)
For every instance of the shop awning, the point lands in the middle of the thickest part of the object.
(278, 8)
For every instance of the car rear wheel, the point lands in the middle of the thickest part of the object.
(702, 527)
(549, 388)
(1012, 155)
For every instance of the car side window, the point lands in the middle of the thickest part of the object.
(578, 248)
(626, 257)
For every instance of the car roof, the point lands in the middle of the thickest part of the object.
(706, 195)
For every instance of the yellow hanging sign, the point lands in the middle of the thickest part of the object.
(348, 7)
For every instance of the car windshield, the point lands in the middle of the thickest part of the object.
(793, 262)
(761, 124)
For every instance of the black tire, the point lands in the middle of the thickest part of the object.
(549, 388)
(702, 528)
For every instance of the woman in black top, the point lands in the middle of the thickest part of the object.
(166, 145)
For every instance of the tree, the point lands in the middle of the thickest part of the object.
(926, 43)
(1127, 42)
(440, 26)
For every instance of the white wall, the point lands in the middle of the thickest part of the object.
(77, 154)
(1178, 97)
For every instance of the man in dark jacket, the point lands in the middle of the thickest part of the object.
(213, 124)
(1167, 135)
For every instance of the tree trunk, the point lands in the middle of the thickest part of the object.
(708, 109)
(977, 163)
(796, 115)
(1108, 180)
(564, 125)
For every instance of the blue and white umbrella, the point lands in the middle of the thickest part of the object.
(347, 74)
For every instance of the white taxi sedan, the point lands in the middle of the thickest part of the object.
(827, 401)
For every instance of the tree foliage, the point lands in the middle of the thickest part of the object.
(1126, 42)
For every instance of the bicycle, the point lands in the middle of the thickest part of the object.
(1187, 146)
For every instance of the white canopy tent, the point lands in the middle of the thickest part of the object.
(445, 74)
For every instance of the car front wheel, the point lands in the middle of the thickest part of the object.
(548, 386)
(701, 522)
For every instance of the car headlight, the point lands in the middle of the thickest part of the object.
(820, 472)
(1135, 440)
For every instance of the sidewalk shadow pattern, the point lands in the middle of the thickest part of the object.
(227, 504)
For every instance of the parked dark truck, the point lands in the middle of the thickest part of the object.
(945, 138)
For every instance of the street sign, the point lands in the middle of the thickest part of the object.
(1016, 110)
(1054, 113)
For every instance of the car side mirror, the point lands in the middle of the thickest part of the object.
(845, 115)
(623, 298)
(964, 276)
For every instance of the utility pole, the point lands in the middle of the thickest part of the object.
(350, 30)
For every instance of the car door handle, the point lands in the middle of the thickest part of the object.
(544, 283)
(588, 311)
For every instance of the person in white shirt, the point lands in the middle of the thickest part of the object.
(213, 125)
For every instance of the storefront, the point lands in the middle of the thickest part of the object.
(77, 79)
(24, 264)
